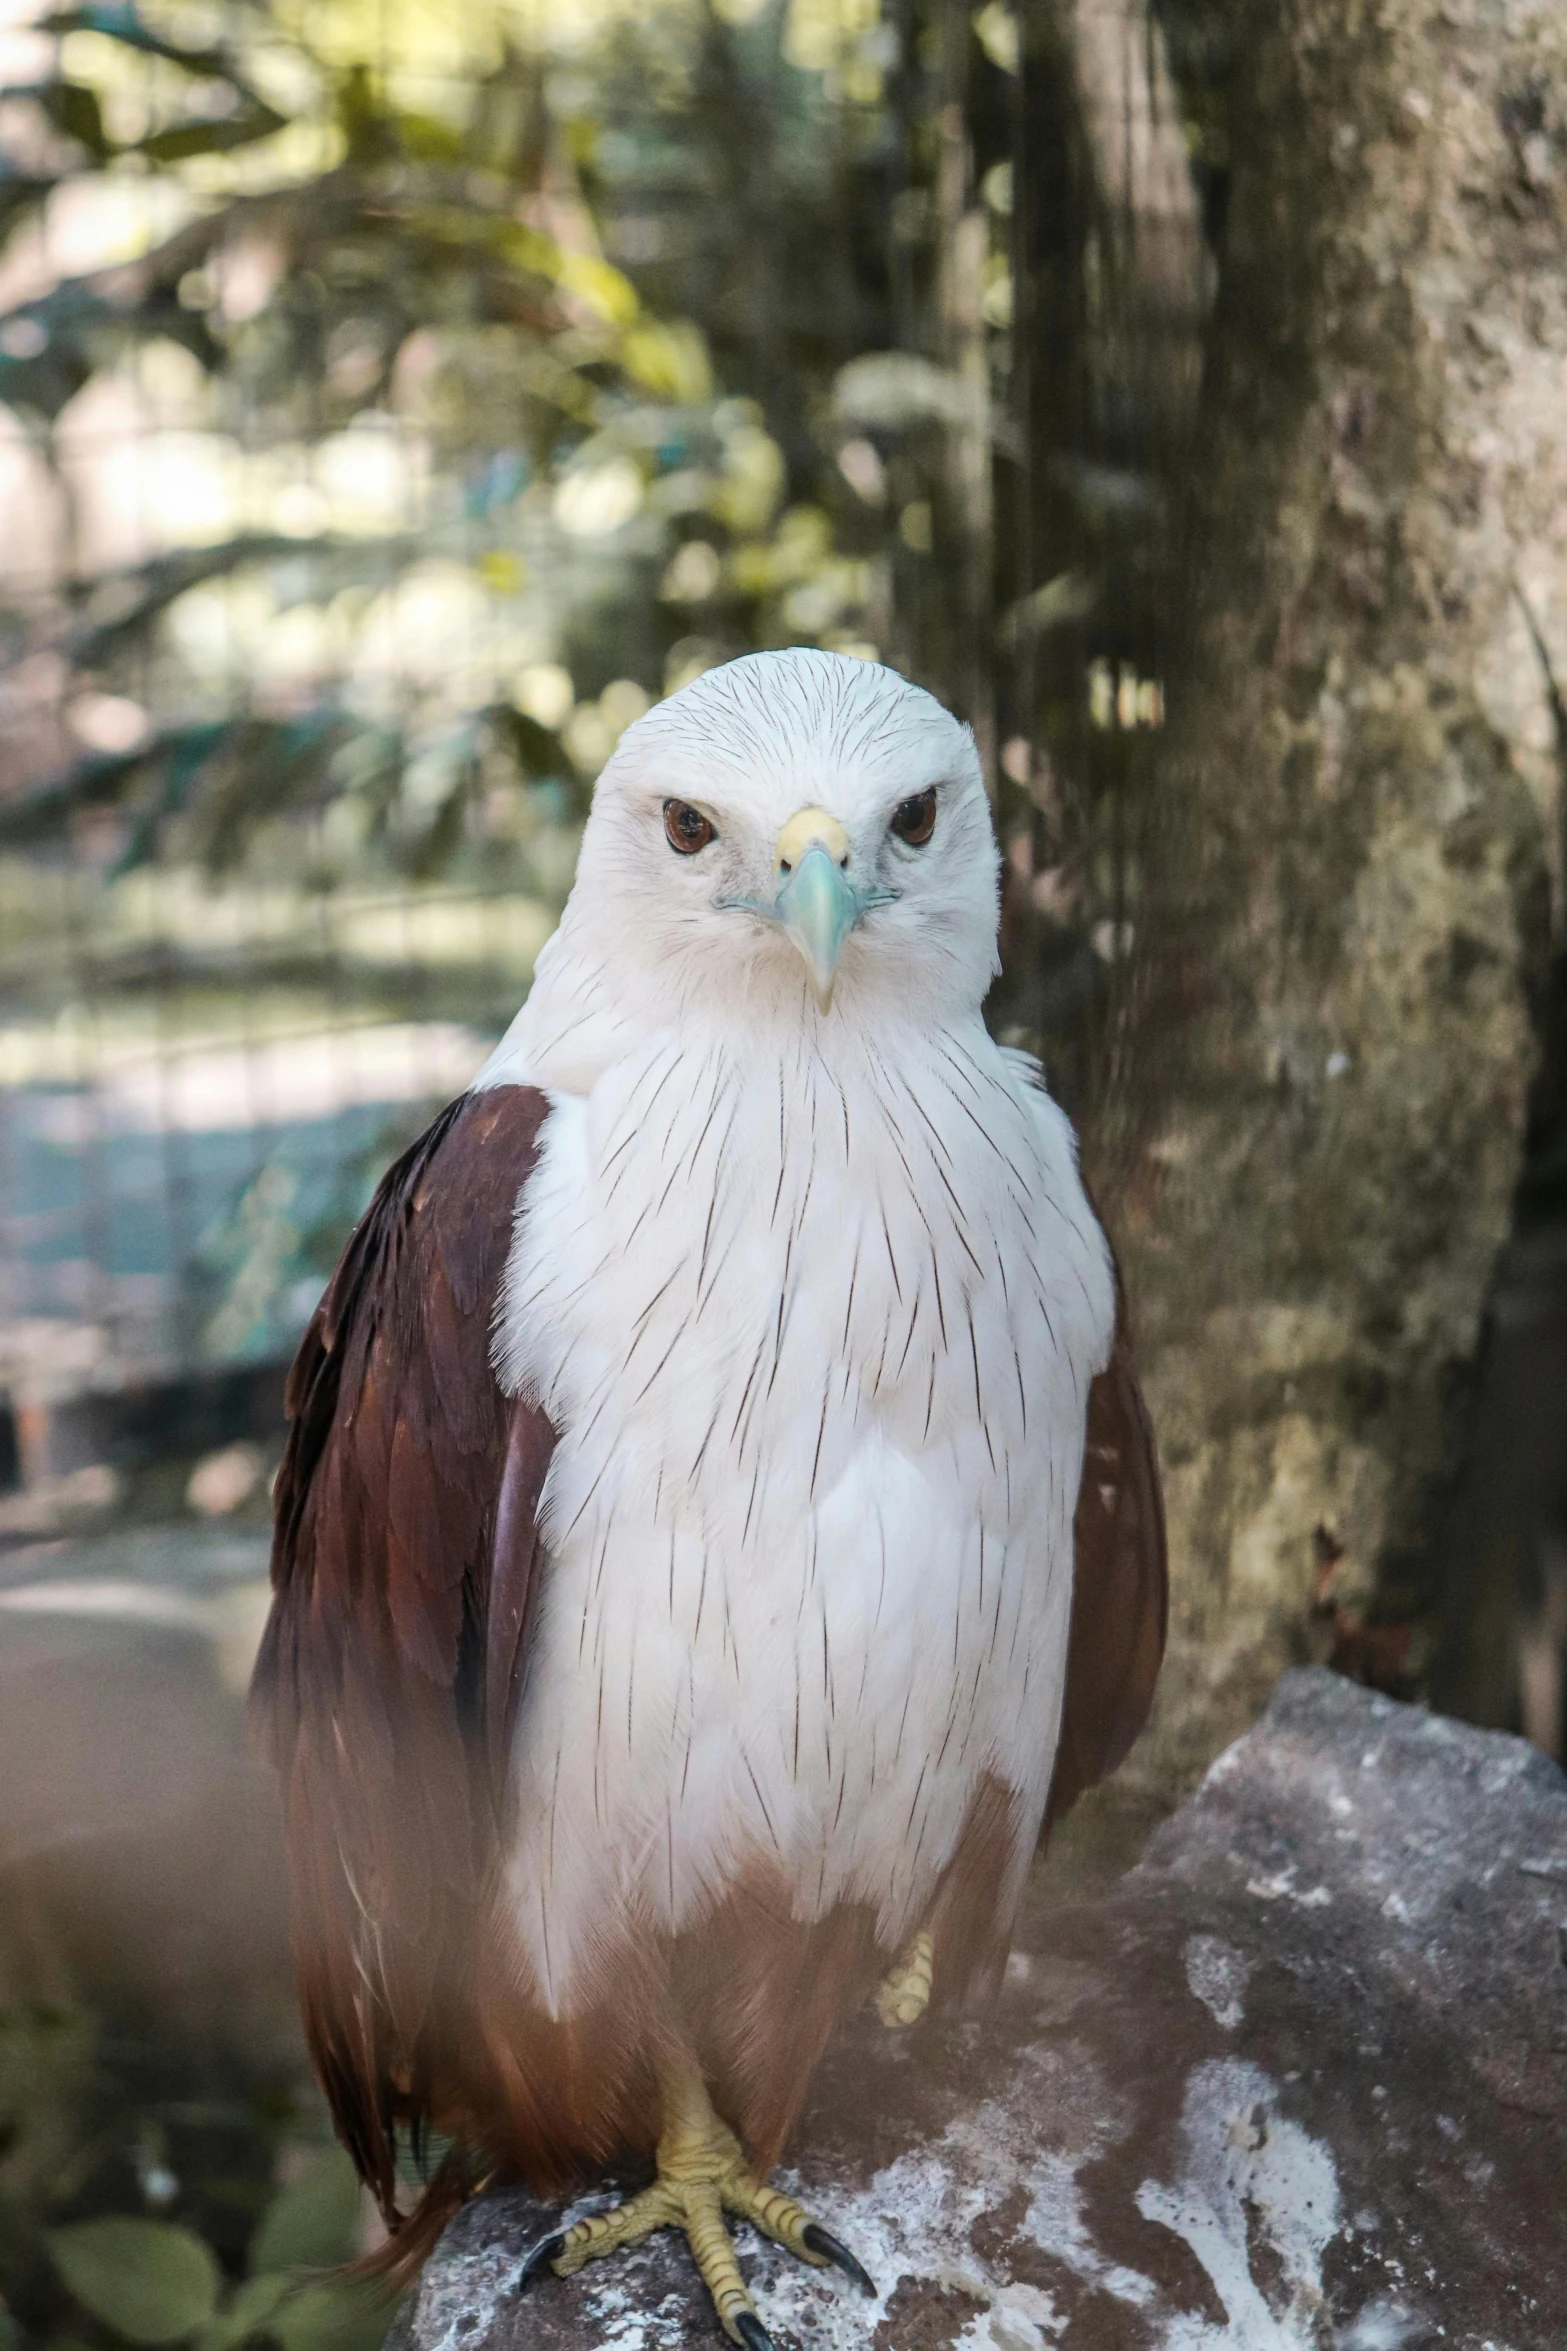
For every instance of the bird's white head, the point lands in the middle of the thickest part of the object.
(800, 831)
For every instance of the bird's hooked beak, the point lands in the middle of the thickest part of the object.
(815, 903)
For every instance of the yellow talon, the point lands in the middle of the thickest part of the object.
(702, 2174)
(904, 1993)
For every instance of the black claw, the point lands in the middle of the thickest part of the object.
(752, 2333)
(814, 2236)
(544, 2252)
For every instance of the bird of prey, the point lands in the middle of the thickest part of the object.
(719, 1526)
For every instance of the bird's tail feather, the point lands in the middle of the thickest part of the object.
(397, 2261)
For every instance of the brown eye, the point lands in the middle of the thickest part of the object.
(915, 820)
(687, 828)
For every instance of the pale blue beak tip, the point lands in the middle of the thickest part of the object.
(818, 907)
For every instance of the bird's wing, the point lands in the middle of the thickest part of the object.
(405, 1563)
(1120, 1589)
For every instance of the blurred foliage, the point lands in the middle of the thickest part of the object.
(487, 375)
(153, 2192)
(261, 1266)
(155, 2282)
(48, 2047)
(516, 499)
(434, 393)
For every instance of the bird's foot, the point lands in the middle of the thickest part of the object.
(702, 2175)
(904, 1992)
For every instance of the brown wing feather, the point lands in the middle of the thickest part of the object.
(404, 1566)
(1120, 1590)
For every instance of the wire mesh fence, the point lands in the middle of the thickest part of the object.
(389, 409)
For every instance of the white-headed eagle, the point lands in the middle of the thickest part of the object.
(719, 1526)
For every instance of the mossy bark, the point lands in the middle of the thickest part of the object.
(1330, 1023)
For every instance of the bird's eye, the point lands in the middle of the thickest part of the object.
(915, 820)
(687, 828)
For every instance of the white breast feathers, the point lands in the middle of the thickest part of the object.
(816, 1332)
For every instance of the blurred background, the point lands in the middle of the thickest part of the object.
(395, 400)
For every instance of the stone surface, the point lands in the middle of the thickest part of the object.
(1297, 2080)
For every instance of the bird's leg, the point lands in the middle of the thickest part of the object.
(903, 1994)
(702, 2174)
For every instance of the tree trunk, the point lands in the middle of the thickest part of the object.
(1358, 870)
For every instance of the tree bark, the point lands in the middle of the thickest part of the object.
(1357, 879)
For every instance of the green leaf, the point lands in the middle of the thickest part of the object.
(247, 2314)
(325, 2314)
(427, 139)
(21, 193)
(334, 2316)
(538, 749)
(312, 2223)
(148, 2280)
(247, 121)
(73, 108)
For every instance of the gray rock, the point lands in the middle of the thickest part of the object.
(1298, 2081)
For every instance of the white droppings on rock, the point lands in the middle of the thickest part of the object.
(1055, 2224)
(624, 2311)
(1245, 2163)
(915, 2220)
(453, 2295)
(1280, 1886)
(1020, 2318)
(1216, 1973)
(1386, 2326)
(913, 2217)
